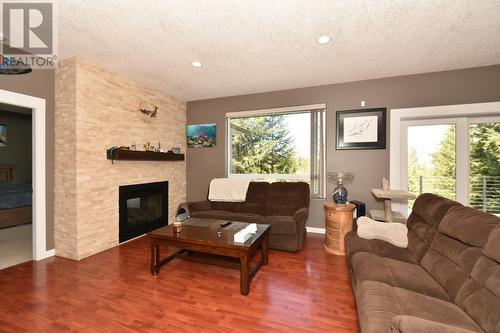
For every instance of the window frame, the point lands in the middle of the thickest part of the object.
(270, 112)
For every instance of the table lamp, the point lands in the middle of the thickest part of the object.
(340, 192)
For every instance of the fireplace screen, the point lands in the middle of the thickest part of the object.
(143, 208)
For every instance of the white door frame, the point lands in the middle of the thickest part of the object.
(461, 150)
(397, 116)
(38, 157)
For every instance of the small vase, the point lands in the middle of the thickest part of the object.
(340, 195)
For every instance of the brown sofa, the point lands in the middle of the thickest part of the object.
(283, 205)
(447, 280)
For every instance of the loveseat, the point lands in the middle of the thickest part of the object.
(283, 205)
(447, 280)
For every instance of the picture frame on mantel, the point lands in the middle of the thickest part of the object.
(361, 129)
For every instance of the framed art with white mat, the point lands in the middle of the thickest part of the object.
(361, 129)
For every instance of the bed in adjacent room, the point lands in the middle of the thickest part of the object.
(15, 199)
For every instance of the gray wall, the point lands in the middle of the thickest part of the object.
(18, 149)
(40, 83)
(440, 88)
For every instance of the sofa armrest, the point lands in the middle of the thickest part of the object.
(409, 324)
(198, 205)
(300, 214)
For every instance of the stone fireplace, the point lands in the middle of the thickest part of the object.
(143, 208)
(95, 110)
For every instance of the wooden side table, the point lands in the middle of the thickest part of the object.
(338, 223)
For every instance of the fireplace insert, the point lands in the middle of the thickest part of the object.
(143, 208)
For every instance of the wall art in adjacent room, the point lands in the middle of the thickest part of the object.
(3, 135)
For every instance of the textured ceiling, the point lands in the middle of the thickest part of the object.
(253, 46)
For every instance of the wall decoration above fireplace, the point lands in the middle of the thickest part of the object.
(148, 111)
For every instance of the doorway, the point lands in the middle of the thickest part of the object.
(450, 150)
(38, 211)
(457, 158)
(15, 185)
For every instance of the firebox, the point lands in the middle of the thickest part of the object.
(143, 208)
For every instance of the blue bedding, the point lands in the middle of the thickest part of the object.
(14, 195)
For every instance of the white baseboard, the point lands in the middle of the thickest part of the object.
(47, 254)
(315, 230)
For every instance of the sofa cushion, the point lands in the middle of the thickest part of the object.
(212, 214)
(246, 217)
(198, 205)
(369, 266)
(454, 251)
(256, 200)
(286, 198)
(479, 296)
(225, 206)
(468, 225)
(432, 208)
(427, 213)
(281, 224)
(409, 324)
(355, 244)
(378, 303)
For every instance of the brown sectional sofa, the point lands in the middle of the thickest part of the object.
(283, 205)
(447, 280)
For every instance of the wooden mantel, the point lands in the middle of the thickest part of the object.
(137, 155)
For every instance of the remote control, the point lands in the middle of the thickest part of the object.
(223, 224)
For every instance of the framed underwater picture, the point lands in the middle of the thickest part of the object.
(201, 135)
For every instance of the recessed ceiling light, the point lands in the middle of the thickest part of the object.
(196, 64)
(323, 40)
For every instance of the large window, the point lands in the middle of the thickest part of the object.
(278, 146)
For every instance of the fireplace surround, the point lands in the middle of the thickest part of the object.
(143, 208)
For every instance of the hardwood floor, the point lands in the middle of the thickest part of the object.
(113, 291)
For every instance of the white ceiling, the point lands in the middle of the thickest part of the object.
(253, 46)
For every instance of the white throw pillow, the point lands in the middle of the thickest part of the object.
(394, 233)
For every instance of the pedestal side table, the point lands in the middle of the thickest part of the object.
(338, 224)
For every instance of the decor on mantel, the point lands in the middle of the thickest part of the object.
(361, 129)
(148, 111)
(122, 153)
(340, 192)
(387, 194)
(201, 135)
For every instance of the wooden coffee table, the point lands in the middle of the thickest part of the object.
(206, 241)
